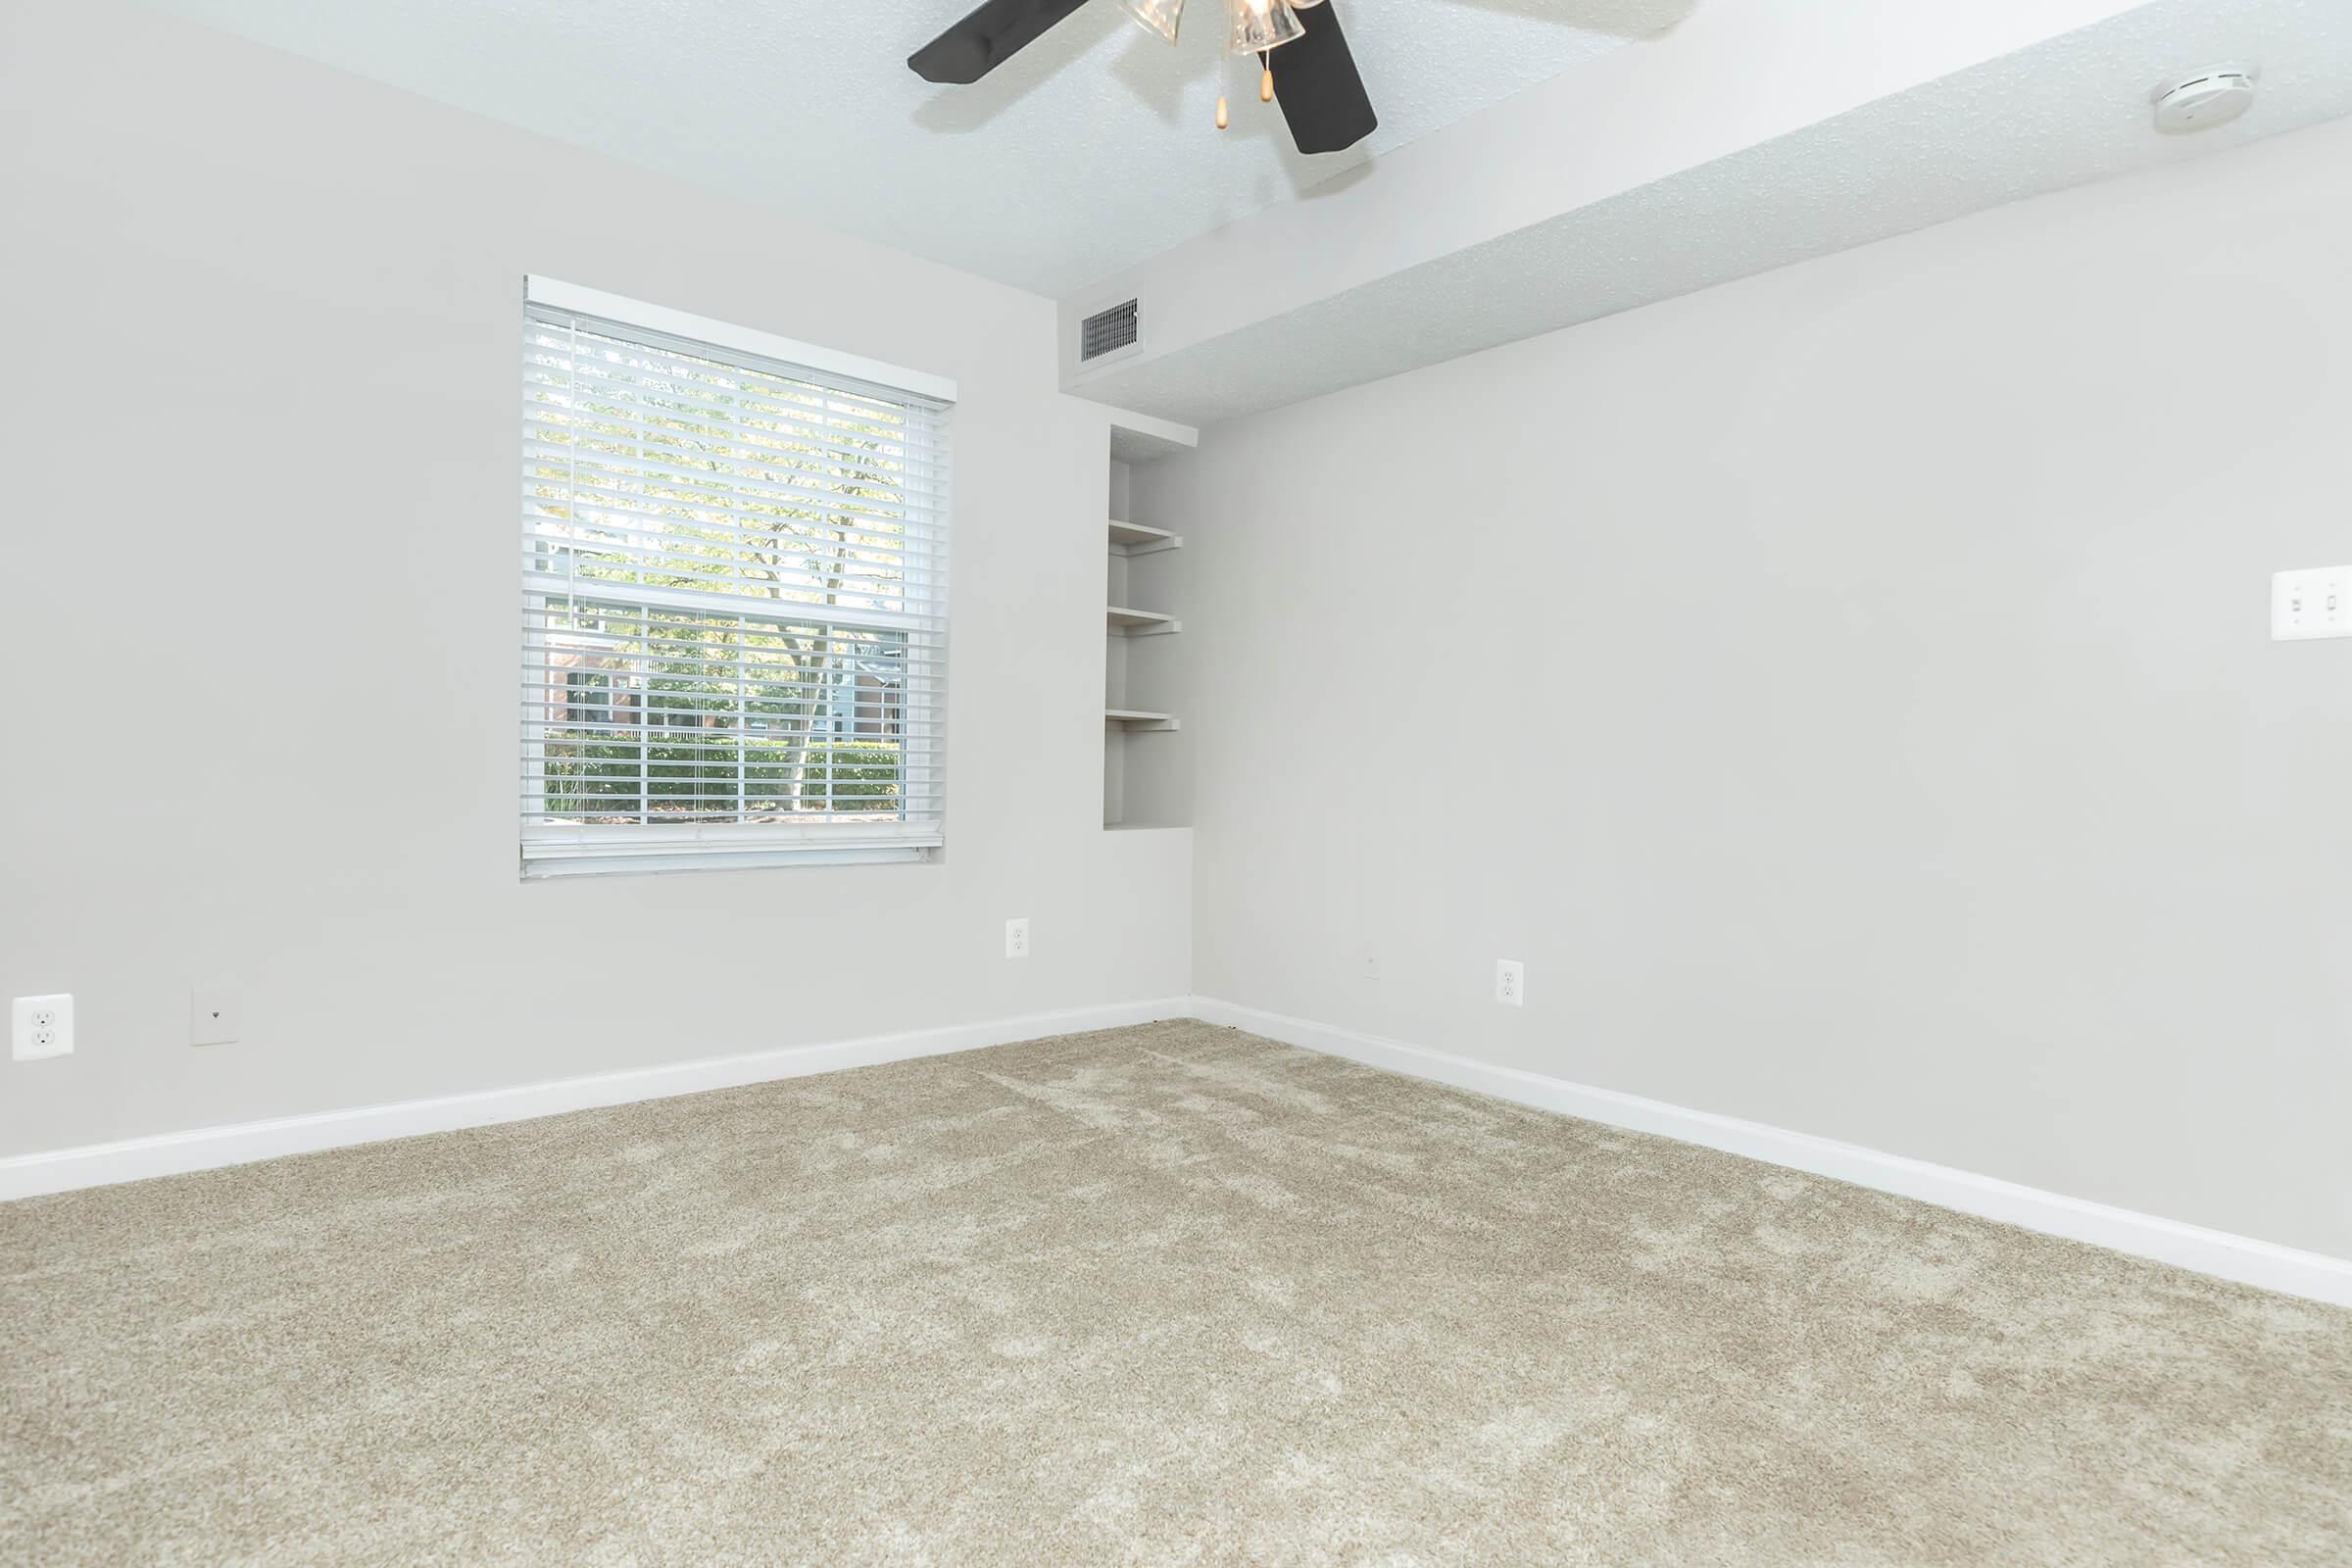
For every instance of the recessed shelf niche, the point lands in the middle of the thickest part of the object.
(1146, 756)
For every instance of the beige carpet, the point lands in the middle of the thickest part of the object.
(1167, 1294)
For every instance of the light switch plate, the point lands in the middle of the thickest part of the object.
(2312, 603)
(213, 1017)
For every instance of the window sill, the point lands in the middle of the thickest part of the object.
(543, 862)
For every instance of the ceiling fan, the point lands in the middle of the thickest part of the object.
(1303, 56)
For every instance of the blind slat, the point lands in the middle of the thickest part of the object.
(563, 396)
(560, 465)
(573, 332)
(716, 555)
(615, 428)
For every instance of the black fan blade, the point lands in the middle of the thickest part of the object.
(1316, 82)
(995, 31)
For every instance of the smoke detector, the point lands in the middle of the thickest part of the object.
(2204, 99)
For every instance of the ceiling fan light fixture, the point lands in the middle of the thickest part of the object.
(1161, 16)
(1261, 24)
(1324, 105)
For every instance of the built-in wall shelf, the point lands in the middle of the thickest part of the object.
(1134, 539)
(1146, 754)
(1134, 719)
(1125, 622)
(1142, 437)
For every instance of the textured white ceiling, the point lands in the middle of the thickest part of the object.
(1088, 151)
(2071, 110)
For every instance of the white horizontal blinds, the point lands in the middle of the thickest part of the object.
(734, 611)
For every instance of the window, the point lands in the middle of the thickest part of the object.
(734, 595)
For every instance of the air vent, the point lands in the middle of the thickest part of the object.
(1106, 330)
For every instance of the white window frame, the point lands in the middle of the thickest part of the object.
(559, 850)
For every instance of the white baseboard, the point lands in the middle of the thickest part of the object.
(205, 1148)
(2209, 1251)
(2217, 1253)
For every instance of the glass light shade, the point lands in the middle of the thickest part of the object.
(1261, 24)
(1161, 16)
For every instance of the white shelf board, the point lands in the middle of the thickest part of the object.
(1140, 437)
(1135, 539)
(1125, 622)
(1138, 719)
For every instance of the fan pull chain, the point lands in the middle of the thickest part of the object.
(1265, 88)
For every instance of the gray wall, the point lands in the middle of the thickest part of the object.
(1846, 690)
(262, 453)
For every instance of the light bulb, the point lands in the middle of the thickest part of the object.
(1161, 16)
(1261, 24)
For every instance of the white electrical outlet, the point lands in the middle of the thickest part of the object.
(1016, 939)
(41, 1027)
(213, 1017)
(2313, 603)
(1510, 982)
